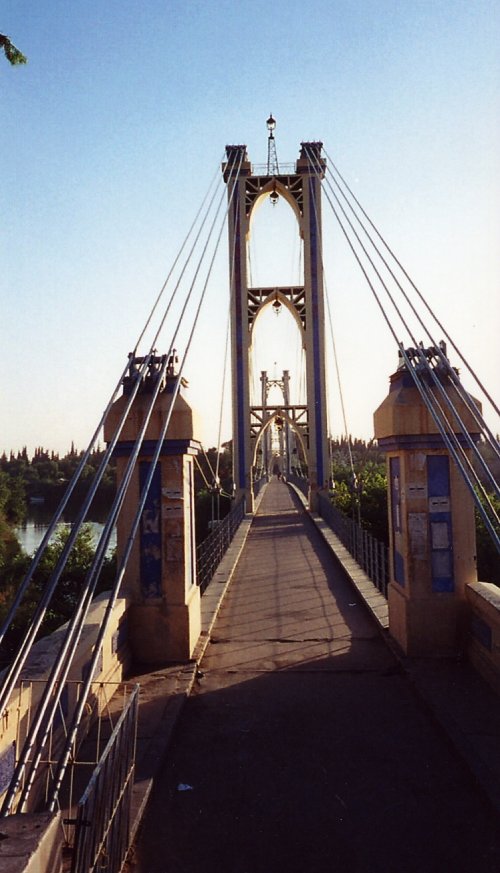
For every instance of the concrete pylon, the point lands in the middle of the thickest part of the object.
(431, 522)
(301, 189)
(164, 616)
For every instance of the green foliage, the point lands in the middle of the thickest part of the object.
(12, 498)
(15, 565)
(10, 551)
(488, 559)
(13, 55)
(365, 499)
(73, 576)
(209, 505)
(46, 476)
(364, 495)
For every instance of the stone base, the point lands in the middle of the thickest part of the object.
(163, 632)
(428, 627)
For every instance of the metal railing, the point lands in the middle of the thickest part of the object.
(105, 703)
(103, 813)
(210, 552)
(288, 169)
(371, 554)
(300, 482)
(258, 485)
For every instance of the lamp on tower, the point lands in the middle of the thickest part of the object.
(272, 157)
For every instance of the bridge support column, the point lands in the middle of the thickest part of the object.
(164, 612)
(431, 524)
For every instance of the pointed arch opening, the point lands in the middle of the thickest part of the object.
(274, 240)
(292, 450)
(276, 299)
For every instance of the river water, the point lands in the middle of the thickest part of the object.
(32, 531)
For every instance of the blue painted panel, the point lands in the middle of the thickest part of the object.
(438, 476)
(441, 541)
(169, 447)
(396, 519)
(442, 571)
(481, 631)
(150, 533)
(399, 569)
(395, 472)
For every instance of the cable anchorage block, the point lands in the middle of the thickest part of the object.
(421, 359)
(157, 368)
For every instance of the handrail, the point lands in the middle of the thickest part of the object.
(300, 482)
(210, 552)
(289, 169)
(371, 554)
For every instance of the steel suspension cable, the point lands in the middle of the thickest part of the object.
(420, 295)
(83, 461)
(468, 400)
(201, 472)
(176, 259)
(448, 424)
(334, 348)
(21, 591)
(471, 406)
(60, 669)
(406, 325)
(341, 393)
(207, 459)
(427, 398)
(135, 524)
(431, 373)
(19, 660)
(226, 350)
(17, 664)
(223, 392)
(76, 625)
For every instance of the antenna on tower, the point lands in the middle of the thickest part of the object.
(272, 157)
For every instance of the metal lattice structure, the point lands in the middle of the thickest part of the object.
(102, 827)
(210, 552)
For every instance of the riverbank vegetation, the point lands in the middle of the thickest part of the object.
(44, 478)
(359, 490)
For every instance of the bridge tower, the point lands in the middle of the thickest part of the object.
(286, 437)
(302, 191)
(431, 517)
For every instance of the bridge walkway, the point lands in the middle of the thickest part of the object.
(303, 746)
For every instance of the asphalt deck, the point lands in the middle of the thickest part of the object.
(303, 745)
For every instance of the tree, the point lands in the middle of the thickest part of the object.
(14, 564)
(12, 498)
(13, 55)
(488, 559)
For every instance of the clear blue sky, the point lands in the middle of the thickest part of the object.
(111, 134)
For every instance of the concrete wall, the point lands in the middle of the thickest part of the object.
(31, 844)
(483, 599)
(113, 662)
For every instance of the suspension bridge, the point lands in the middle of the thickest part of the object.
(69, 707)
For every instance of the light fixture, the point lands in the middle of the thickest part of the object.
(271, 125)
(276, 304)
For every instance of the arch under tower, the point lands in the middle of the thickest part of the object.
(302, 190)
